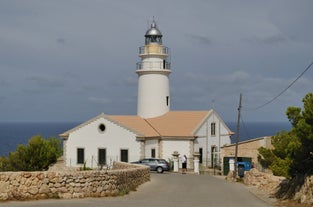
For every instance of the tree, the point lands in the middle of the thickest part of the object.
(38, 154)
(293, 150)
(285, 145)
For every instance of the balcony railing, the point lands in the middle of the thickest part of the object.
(153, 65)
(145, 50)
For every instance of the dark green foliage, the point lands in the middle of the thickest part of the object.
(265, 157)
(37, 155)
(293, 151)
(278, 159)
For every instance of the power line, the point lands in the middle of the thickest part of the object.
(283, 91)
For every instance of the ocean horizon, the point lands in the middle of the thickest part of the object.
(14, 133)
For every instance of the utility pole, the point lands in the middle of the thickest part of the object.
(237, 137)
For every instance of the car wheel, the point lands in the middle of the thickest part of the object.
(159, 170)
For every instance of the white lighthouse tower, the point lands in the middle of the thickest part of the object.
(153, 76)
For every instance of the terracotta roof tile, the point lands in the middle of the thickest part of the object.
(178, 123)
(172, 124)
(136, 123)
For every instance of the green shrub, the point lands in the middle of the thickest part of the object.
(37, 155)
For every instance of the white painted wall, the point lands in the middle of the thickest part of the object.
(153, 88)
(113, 139)
(152, 63)
(183, 147)
(203, 142)
(151, 144)
(206, 141)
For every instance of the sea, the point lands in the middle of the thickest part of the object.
(13, 134)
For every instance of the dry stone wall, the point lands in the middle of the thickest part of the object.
(263, 181)
(299, 189)
(72, 184)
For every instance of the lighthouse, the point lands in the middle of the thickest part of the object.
(155, 131)
(153, 75)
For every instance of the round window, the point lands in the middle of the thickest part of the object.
(102, 127)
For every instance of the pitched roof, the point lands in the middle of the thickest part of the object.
(178, 123)
(137, 124)
(171, 124)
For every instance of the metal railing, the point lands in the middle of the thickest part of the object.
(153, 65)
(145, 50)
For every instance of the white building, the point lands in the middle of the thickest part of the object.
(155, 131)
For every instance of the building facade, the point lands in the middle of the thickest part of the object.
(248, 149)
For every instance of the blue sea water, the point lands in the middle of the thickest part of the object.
(253, 130)
(13, 134)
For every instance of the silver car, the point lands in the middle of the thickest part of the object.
(155, 164)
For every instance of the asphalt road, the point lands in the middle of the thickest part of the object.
(166, 190)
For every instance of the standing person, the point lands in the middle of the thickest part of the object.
(184, 164)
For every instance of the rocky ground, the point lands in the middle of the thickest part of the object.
(265, 186)
(262, 181)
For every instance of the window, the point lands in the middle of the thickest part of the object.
(101, 156)
(101, 127)
(153, 153)
(162, 161)
(145, 161)
(201, 153)
(124, 155)
(80, 155)
(214, 156)
(212, 128)
(167, 100)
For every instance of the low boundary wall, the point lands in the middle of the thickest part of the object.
(120, 180)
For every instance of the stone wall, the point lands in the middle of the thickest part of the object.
(263, 181)
(298, 189)
(72, 184)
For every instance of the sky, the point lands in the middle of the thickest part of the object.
(70, 60)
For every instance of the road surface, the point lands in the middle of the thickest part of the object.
(166, 189)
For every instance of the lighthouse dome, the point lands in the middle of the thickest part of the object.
(153, 31)
(153, 35)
